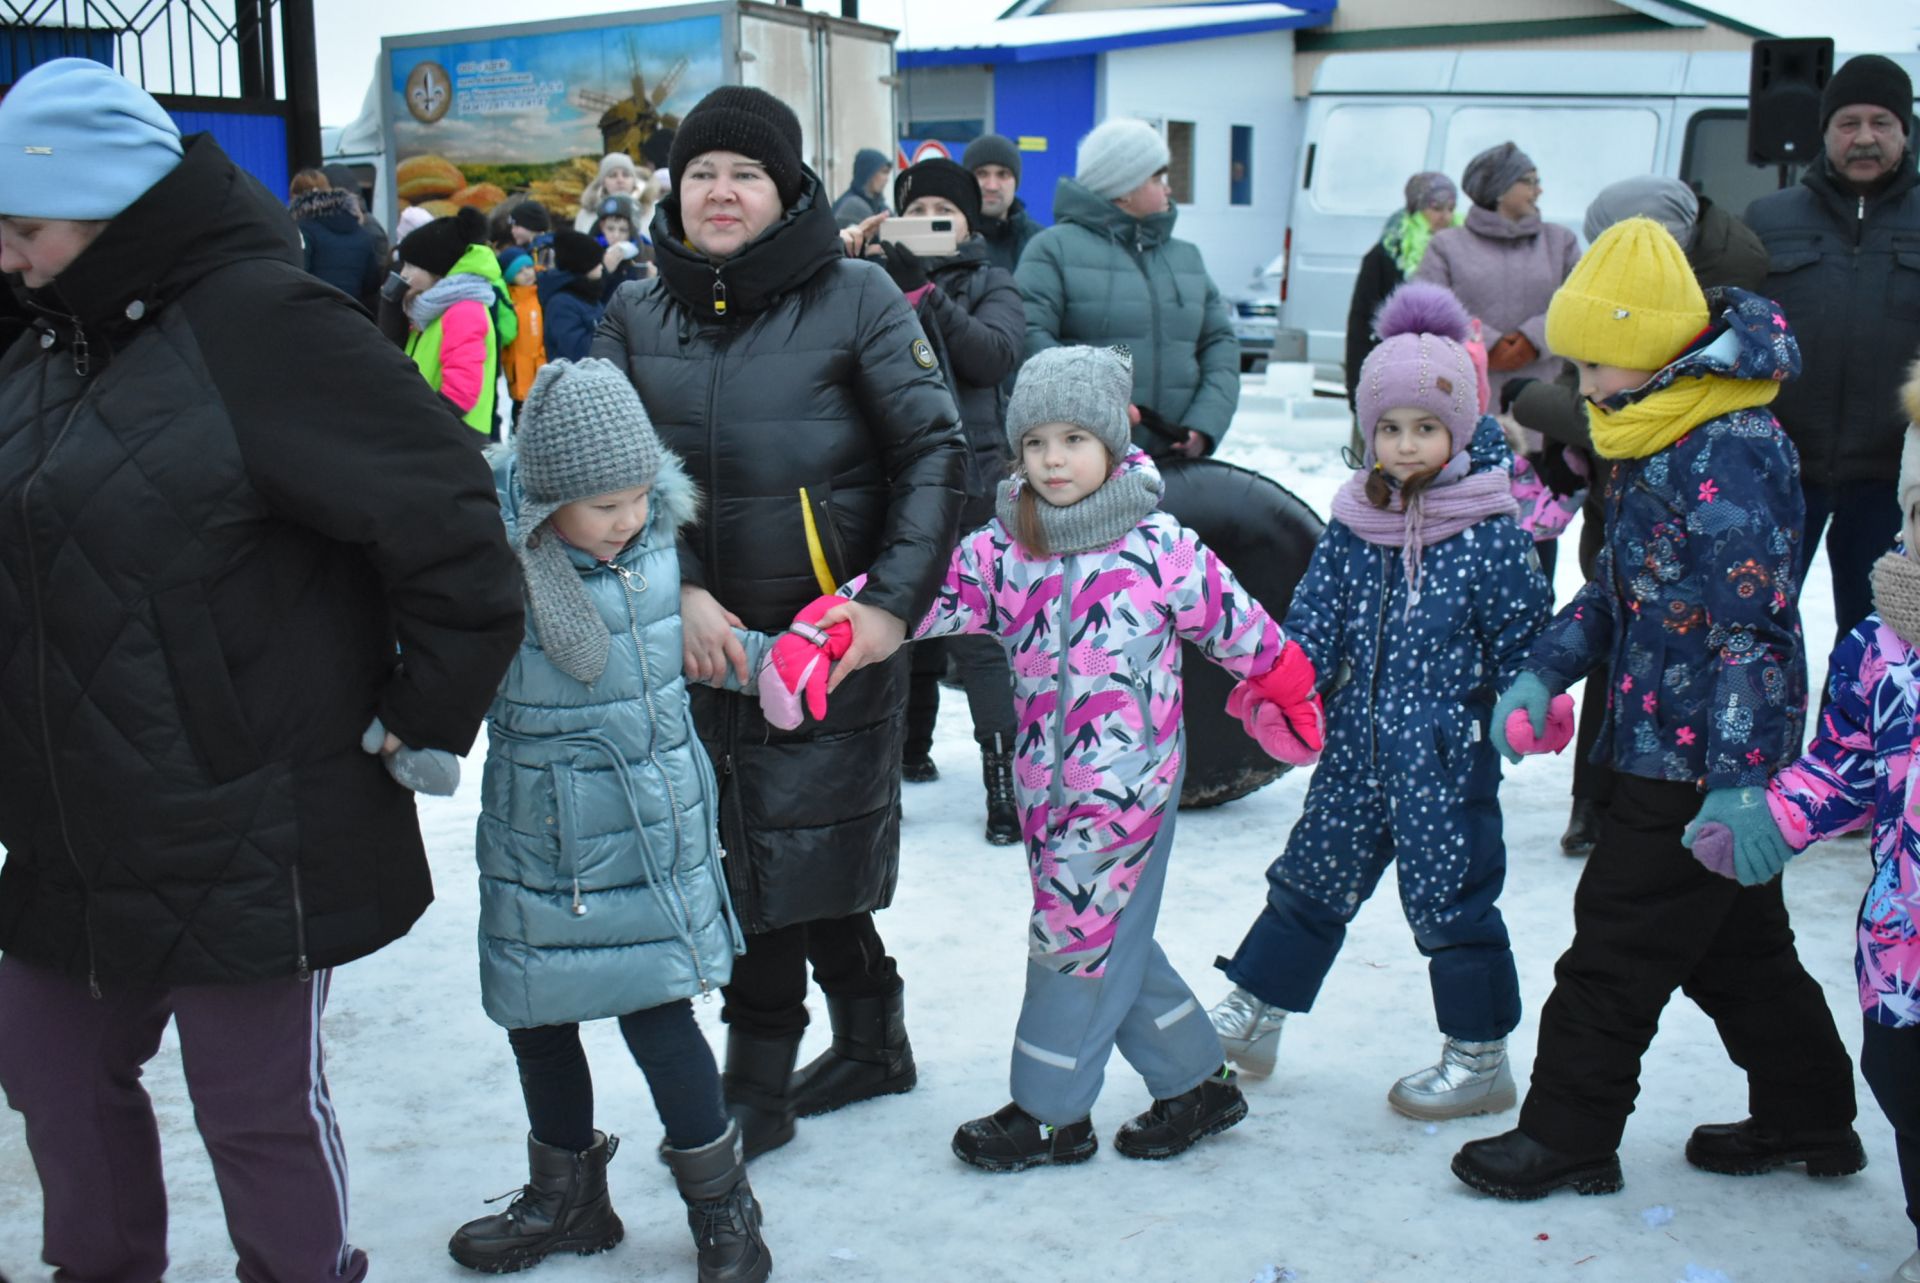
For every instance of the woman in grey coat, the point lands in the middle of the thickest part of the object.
(601, 888)
(1110, 272)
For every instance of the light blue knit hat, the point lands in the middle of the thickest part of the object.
(79, 140)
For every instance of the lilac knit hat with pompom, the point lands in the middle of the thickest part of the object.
(1420, 363)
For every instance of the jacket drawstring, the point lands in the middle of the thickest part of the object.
(656, 880)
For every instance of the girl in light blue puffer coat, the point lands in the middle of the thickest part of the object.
(601, 887)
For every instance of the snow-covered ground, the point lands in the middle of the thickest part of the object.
(1322, 1183)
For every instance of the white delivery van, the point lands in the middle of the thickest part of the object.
(1586, 118)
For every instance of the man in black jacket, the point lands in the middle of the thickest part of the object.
(232, 582)
(1004, 222)
(1845, 252)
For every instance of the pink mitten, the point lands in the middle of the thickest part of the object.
(1294, 734)
(1287, 688)
(1559, 728)
(799, 664)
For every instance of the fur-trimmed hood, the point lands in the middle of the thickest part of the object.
(675, 501)
(325, 206)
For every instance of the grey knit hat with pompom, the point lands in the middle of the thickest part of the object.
(582, 432)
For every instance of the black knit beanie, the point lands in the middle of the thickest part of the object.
(435, 247)
(532, 215)
(750, 122)
(938, 176)
(1872, 79)
(575, 252)
(992, 149)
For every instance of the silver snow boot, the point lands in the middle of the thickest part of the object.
(1471, 1078)
(1249, 1031)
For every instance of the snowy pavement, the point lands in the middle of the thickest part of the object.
(1322, 1183)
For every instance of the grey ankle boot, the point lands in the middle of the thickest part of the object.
(1249, 1031)
(1470, 1078)
(721, 1210)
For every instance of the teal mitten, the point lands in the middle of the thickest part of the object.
(1529, 693)
(1735, 836)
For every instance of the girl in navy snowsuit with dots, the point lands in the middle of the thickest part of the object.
(1426, 589)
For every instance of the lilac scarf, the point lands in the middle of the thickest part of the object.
(1438, 513)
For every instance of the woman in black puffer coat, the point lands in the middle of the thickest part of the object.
(974, 317)
(803, 395)
(336, 247)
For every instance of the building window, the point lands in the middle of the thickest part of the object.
(1180, 167)
(1240, 167)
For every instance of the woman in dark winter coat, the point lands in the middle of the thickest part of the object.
(1395, 257)
(972, 313)
(806, 401)
(235, 571)
(570, 299)
(1722, 251)
(336, 248)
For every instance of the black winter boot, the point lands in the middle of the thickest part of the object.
(870, 1055)
(1750, 1147)
(1515, 1166)
(1003, 817)
(1172, 1126)
(1012, 1140)
(923, 711)
(563, 1207)
(755, 1086)
(721, 1210)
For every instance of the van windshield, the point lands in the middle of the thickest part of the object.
(1579, 149)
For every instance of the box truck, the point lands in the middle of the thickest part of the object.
(473, 116)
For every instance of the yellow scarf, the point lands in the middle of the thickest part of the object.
(1651, 425)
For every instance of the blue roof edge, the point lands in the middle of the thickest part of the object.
(1314, 16)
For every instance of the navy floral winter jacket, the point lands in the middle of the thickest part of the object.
(1693, 604)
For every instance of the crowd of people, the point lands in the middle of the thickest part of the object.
(770, 470)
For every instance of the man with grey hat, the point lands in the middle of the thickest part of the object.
(1005, 224)
(1843, 272)
(1110, 272)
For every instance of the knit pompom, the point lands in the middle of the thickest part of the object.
(1421, 307)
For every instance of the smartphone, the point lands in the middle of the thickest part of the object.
(935, 237)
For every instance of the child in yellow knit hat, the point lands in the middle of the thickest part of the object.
(1693, 606)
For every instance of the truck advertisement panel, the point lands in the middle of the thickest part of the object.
(476, 120)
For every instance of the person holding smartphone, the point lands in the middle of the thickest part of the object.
(971, 309)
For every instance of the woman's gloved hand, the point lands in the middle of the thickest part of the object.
(432, 771)
(1512, 351)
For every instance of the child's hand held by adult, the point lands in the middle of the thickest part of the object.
(1558, 735)
(795, 675)
(876, 635)
(1735, 836)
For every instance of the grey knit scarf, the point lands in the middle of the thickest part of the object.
(430, 304)
(1896, 595)
(1102, 518)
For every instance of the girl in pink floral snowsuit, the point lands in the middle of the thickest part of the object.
(1090, 588)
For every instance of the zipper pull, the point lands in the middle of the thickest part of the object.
(93, 984)
(1862, 215)
(726, 763)
(719, 295)
(301, 971)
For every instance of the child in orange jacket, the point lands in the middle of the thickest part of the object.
(528, 351)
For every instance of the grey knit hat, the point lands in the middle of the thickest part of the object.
(582, 432)
(992, 149)
(1087, 386)
(1118, 156)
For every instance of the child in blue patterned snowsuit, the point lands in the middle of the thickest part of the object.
(1429, 602)
(1693, 609)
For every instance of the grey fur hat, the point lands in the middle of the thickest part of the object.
(582, 432)
(1088, 386)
